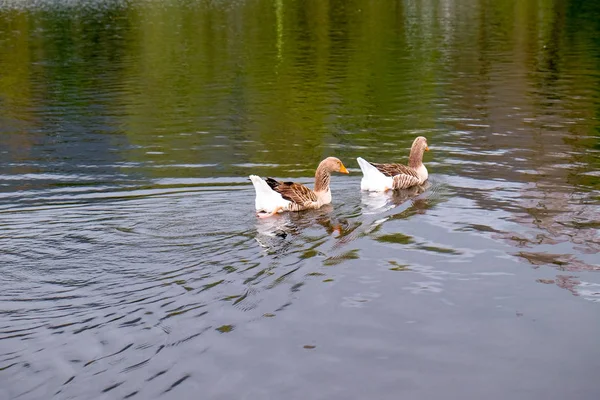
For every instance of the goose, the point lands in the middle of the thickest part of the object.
(383, 177)
(273, 196)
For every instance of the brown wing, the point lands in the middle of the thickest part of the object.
(404, 181)
(294, 192)
(395, 169)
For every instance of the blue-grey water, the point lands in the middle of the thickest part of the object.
(132, 264)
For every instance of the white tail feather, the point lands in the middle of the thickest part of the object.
(373, 180)
(266, 198)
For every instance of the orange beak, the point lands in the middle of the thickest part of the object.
(426, 148)
(343, 170)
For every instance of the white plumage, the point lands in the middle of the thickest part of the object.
(373, 180)
(267, 199)
(379, 177)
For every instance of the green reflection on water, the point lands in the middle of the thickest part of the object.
(289, 82)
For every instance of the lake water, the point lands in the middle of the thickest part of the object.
(132, 264)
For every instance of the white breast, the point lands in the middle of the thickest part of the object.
(324, 197)
(422, 172)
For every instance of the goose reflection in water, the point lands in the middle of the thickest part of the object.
(376, 203)
(274, 233)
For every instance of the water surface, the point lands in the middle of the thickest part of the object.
(132, 264)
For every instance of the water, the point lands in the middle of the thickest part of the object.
(132, 264)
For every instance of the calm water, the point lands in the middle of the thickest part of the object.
(132, 264)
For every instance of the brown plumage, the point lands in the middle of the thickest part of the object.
(395, 169)
(294, 192)
(404, 181)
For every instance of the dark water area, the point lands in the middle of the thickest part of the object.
(132, 264)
